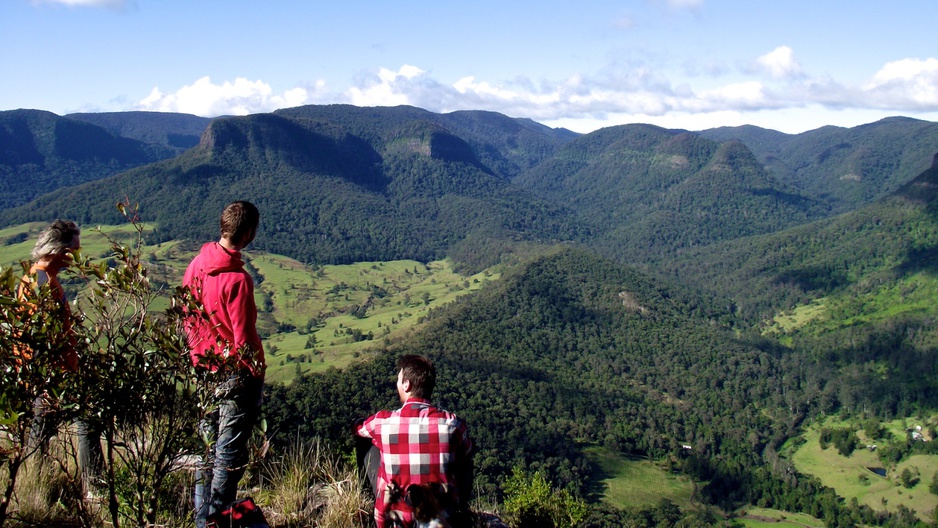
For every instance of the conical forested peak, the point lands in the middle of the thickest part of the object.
(734, 156)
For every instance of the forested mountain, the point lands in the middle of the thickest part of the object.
(504, 145)
(654, 191)
(891, 237)
(569, 349)
(846, 167)
(176, 131)
(402, 186)
(41, 152)
(403, 182)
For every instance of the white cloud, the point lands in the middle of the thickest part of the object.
(906, 87)
(241, 97)
(906, 83)
(780, 63)
(387, 88)
(738, 96)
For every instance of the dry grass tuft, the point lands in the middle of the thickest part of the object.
(309, 485)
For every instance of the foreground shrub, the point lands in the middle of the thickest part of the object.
(531, 502)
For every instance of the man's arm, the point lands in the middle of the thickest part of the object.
(466, 447)
(371, 427)
(242, 312)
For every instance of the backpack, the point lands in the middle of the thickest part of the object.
(242, 513)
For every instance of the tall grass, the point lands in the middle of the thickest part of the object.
(48, 490)
(309, 484)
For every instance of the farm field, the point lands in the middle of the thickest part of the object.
(326, 316)
(852, 477)
(638, 483)
(764, 517)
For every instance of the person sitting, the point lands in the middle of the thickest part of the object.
(419, 458)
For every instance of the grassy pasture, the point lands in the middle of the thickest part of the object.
(339, 311)
(764, 517)
(631, 483)
(864, 304)
(850, 476)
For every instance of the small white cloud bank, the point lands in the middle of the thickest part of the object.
(240, 97)
(387, 88)
(906, 83)
(774, 84)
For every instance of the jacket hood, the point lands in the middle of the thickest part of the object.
(216, 259)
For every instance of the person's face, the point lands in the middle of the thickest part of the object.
(65, 259)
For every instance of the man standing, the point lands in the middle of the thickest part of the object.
(419, 454)
(226, 338)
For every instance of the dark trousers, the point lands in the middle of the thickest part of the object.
(90, 455)
(228, 429)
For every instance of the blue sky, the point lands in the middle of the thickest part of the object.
(582, 64)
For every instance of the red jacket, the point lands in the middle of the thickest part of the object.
(217, 278)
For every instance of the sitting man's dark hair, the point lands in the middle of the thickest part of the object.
(421, 374)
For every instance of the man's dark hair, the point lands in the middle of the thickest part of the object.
(239, 220)
(421, 374)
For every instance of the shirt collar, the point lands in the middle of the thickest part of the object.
(416, 401)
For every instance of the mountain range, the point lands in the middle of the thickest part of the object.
(383, 183)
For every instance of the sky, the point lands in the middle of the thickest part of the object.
(791, 66)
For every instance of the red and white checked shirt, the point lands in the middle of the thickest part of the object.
(419, 444)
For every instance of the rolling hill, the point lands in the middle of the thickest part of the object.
(888, 239)
(845, 167)
(41, 152)
(653, 191)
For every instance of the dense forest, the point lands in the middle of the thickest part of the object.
(884, 241)
(847, 167)
(424, 191)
